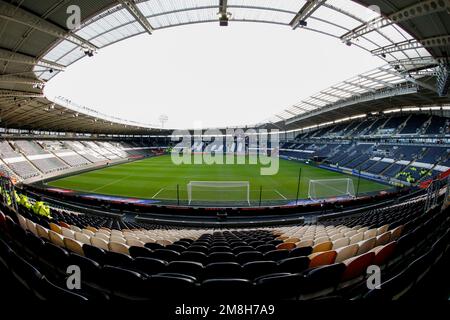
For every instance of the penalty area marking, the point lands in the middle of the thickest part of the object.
(280, 194)
(110, 184)
(156, 194)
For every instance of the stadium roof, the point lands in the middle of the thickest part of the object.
(411, 38)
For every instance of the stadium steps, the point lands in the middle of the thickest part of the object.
(32, 164)
(383, 125)
(402, 125)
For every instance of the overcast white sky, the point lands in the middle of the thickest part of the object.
(242, 74)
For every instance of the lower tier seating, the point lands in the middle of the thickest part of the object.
(157, 262)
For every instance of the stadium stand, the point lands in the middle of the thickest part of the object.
(17, 162)
(395, 159)
(149, 255)
(43, 160)
(63, 151)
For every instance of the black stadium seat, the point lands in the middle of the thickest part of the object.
(294, 265)
(276, 255)
(163, 287)
(249, 256)
(46, 290)
(279, 286)
(54, 258)
(300, 252)
(221, 257)
(256, 269)
(118, 259)
(176, 247)
(126, 284)
(140, 252)
(322, 280)
(153, 246)
(265, 248)
(223, 270)
(94, 253)
(166, 255)
(226, 289)
(149, 266)
(239, 249)
(194, 256)
(191, 268)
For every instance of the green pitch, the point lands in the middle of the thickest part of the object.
(157, 178)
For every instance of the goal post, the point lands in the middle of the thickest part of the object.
(327, 188)
(230, 191)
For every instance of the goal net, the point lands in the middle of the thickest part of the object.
(219, 191)
(327, 188)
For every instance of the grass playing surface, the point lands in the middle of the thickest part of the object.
(157, 178)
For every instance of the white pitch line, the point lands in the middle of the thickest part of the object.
(108, 184)
(158, 193)
(280, 194)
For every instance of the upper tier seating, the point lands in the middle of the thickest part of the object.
(63, 151)
(43, 160)
(29, 148)
(438, 125)
(414, 124)
(17, 162)
(434, 154)
(86, 152)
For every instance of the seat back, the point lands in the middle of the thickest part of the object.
(255, 269)
(67, 233)
(190, 268)
(341, 242)
(136, 243)
(396, 233)
(118, 239)
(22, 221)
(357, 237)
(324, 246)
(383, 253)
(88, 232)
(382, 229)
(32, 227)
(322, 258)
(118, 247)
(370, 234)
(294, 265)
(383, 238)
(321, 240)
(139, 252)
(305, 243)
(249, 256)
(300, 252)
(357, 266)
(347, 252)
(55, 228)
(286, 246)
(102, 235)
(56, 238)
(366, 245)
(97, 242)
(74, 246)
(42, 232)
(83, 238)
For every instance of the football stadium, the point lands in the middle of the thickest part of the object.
(343, 196)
